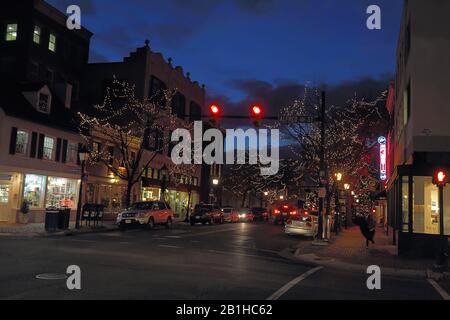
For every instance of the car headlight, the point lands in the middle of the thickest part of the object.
(243, 216)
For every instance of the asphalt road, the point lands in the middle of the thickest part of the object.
(230, 262)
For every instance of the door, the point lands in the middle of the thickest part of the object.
(5, 199)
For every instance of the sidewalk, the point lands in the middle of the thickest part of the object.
(38, 229)
(348, 251)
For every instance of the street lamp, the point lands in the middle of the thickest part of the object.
(338, 176)
(83, 155)
(347, 186)
(281, 197)
(266, 193)
(215, 182)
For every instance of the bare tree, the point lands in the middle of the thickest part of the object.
(133, 131)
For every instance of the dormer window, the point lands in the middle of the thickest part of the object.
(44, 103)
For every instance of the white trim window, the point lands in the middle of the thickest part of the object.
(49, 146)
(22, 142)
(72, 152)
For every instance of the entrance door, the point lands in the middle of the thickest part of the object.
(5, 199)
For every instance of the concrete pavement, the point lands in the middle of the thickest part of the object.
(229, 262)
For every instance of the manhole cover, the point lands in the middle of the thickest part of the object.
(51, 276)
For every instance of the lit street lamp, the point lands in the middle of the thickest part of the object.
(83, 154)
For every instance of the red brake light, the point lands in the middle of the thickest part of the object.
(285, 207)
(306, 213)
(277, 211)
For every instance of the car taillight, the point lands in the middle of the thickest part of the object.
(277, 211)
(285, 207)
(306, 213)
(293, 213)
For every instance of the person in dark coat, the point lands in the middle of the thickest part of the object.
(367, 226)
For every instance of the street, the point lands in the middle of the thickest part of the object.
(221, 262)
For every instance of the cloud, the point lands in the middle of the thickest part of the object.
(278, 95)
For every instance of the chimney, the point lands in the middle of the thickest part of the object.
(64, 93)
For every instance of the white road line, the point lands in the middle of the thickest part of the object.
(439, 289)
(170, 247)
(292, 283)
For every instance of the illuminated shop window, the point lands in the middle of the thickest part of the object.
(426, 206)
(33, 191)
(62, 193)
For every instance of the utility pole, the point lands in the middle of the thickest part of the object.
(322, 174)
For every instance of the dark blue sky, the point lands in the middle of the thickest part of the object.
(241, 48)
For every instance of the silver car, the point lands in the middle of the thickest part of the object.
(303, 225)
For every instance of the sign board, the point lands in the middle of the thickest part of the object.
(383, 158)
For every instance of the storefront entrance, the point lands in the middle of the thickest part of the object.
(5, 199)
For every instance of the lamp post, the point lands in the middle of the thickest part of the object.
(214, 183)
(83, 155)
(337, 204)
(440, 179)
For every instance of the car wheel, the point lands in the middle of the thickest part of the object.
(169, 223)
(151, 224)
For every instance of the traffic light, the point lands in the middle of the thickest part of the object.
(215, 110)
(441, 177)
(257, 113)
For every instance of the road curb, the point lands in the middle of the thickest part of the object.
(332, 263)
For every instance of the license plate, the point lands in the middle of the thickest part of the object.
(128, 221)
(284, 213)
(198, 218)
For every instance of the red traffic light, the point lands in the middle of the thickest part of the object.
(257, 111)
(215, 110)
(440, 177)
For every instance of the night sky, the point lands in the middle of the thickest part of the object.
(254, 50)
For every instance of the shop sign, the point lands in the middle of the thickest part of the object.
(383, 158)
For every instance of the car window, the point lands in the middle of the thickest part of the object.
(162, 206)
(227, 210)
(142, 206)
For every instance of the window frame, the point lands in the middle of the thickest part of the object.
(37, 35)
(25, 153)
(53, 149)
(74, 150)
(52, 44)
(48, 103)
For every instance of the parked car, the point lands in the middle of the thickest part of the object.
(148, 214)
(281, 214)
(230, 214)
(207, 213)
(261, 214)
(303, 224)
(246, 215)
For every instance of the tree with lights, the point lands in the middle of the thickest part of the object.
(133, 131)
(349, 128)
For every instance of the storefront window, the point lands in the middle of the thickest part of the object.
(447, 210)
(117, 199)
(405, 204)
(426, 206)
(61, 192)
(33, 191)
(4, 194)
(151, 194)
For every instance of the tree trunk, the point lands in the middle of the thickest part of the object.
(128, 195)
(244, 198)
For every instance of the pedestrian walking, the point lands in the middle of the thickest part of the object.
(371, 227)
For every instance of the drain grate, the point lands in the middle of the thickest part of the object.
(51, 276)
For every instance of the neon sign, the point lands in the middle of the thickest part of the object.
(383, 168)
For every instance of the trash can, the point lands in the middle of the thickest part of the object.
(64, 219)
(51, 219)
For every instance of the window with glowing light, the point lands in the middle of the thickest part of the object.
(52, 43)
(426, 206)
(34, 190)
(37, 35)
(11, 32)
(62, 193)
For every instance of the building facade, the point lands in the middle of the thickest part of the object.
(39, 142)
(419, 141)
(150, 74)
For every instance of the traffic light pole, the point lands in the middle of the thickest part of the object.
(442, 263)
